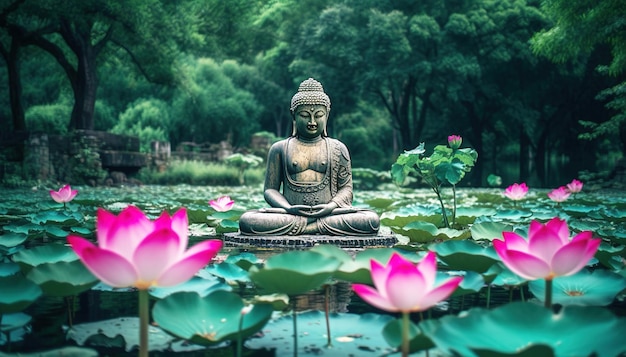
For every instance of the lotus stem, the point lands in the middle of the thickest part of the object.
(405, 334)
(295, 327)
(548, 296)
(488, 295)
(329, 341)
(144, 315)
(239, 339)
(70, 310)
(443, 208)
(453, 204)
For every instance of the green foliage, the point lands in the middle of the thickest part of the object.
(148, 119)
(444, 166)
(243, 162)
(50, 118)
(85, 166)
(200, 173)
(211, 108)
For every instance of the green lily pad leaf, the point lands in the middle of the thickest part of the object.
(14, 326)
(230, 272)
(11, 239)
(418, 231)
(227, 226)
(465, 255)
(55, 231)
(201, 285)
(357, 269)
(615, 214)
(391, 220)
(62, 278)
(512, 215)
(121, 333)
(392, 332)
(17, 293)
(472, 282)
(50, 253)
(65, 217)
(23, 228)
(279, 302)
(475, 212)
(229, 215)
(10, 268)
(81, 231)
(350, 335)
(506, 277)
(294, 272)
(211, 319)
(578, 210)
(574, 331)
(607, 252)
(14, 321)
(243, 260)
(579, 225)
(597, 288)
(489, 230)
(380, 203)
(450, 233)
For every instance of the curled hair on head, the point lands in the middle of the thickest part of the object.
(309, 92)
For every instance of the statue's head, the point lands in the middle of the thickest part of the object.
(310, 102)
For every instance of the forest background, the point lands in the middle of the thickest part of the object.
(537, 88)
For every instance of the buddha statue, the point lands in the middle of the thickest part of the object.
(308, 182)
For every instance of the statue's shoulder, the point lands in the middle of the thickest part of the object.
(279, 145)
(339, 146)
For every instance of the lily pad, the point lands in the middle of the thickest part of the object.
(597, 288)
(357, 269)
(211, 319)
(392, 332)
(10, 268)
(11, 239)
(294, 272)
(514, 327)
(351, 335)
(121, 333)
(62, 278)
(201, 285)
(489, 230)
(17, 293)
(465, 255)
(50, 253)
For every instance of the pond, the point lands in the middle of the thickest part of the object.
(103, 321)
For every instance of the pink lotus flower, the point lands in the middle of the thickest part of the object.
(64, 194)
(401, 286)
(559, 195)
(135, 251)
(222, 204)
(516, 191)
(575, 186)
(548, 252)
(455, 141)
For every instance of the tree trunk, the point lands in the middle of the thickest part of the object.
(85, 93)
(15, 85)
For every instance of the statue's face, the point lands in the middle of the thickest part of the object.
(310, 120)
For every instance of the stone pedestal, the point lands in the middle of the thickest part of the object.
(307, 241)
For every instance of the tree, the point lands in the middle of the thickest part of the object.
(77, 33)
(579, 27)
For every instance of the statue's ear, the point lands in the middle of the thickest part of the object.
(293, 127)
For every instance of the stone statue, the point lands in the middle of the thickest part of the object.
(315, 175)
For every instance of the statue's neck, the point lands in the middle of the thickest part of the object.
(310, 140)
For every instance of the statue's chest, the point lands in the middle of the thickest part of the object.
(303, 158)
